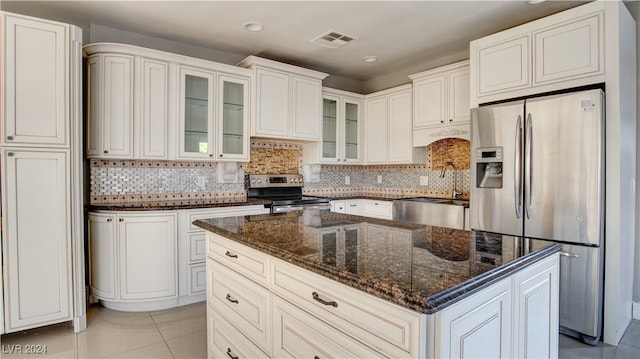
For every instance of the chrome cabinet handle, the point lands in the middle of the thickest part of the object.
(317, 298)
(121, 220)
(231, 299)
(231, 354)
(229, 254)
(109, 220)
(105, 152)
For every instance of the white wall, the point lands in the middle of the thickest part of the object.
(634, 9)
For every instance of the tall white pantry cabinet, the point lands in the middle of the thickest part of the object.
(41, 146)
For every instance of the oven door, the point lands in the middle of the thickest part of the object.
(299, 207)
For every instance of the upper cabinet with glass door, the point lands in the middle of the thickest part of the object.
(196, 114)
(223, 136)
(341, 129)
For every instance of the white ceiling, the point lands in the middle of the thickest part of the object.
(402, 34)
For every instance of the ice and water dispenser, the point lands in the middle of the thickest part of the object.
(489, 167)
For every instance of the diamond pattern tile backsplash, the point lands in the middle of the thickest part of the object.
(135, 180)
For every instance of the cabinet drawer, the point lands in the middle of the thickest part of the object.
(197, 246)
(381, 325)
(378, 209)
(197, 279)
(296, 334)
(241, 301)
(223, 340)
(246, 261)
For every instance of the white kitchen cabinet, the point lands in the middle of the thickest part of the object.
(137, 97)
(35, 96)
(441, 96)
(536, 296)
(388, 128)
(196, 121)
(479, 326)
(152, 86)
(341, 130)
(41, 175)
(141, 273)
(560, 51)
(287, 100)
(377, 209)
(110, 108)
(103, 249)
(214, 116)
(192, 245)
(224, 340)
(300, 335)
(36, 237)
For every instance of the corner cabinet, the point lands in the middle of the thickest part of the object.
(148, 104)
(559, 51)
(388, 128)
(287, 100)
(41, 174)
(133, 265)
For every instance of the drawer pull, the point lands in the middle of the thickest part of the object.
(229, 254)
(316, 357)
(231, 299)
(317, 298)
(231, 354)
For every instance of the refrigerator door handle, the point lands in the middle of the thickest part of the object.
(528, 158)
(569, 254)
(517, 179)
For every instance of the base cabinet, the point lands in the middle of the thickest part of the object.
(133, 262)
(303, 314)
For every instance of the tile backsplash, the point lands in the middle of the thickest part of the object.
(136, 180)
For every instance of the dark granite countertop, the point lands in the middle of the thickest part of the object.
(423, 268)
(177, 204)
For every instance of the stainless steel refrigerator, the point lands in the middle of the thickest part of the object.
(537, 172)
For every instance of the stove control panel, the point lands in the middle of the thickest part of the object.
(276, 180)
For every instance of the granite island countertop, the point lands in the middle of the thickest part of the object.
(420, 267)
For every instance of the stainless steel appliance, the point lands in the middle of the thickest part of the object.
(537, 172)
(284, 192)
(439, 212)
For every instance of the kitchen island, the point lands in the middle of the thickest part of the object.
(316, 283)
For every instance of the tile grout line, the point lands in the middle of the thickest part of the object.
(164, 340)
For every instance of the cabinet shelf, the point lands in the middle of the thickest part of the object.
(232, 107)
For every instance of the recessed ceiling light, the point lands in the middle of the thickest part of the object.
(533, 2)
(369, 59)
(253, 26)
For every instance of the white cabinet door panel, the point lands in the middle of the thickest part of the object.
(147, 249)
(35, 72)
(376, 131)
(117, 111)
(459, 96)
(504, 66)
(569, 50)
(102, 255)
(36, 237)
(153, 107)
(430, 107)
(307, 108)
(400, 128)
(272, 104)
(94, 130)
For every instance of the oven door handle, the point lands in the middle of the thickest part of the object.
(290, 208)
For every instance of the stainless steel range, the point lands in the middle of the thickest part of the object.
(284, 192)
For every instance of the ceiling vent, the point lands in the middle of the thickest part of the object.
(333, 39)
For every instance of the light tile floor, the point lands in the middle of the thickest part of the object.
(181, 333)
(174, 333)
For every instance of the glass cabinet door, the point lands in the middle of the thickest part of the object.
(330, 129)
(196, 113)
(233, 118)
(351, 131)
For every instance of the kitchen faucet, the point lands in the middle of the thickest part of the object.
(454, 194)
